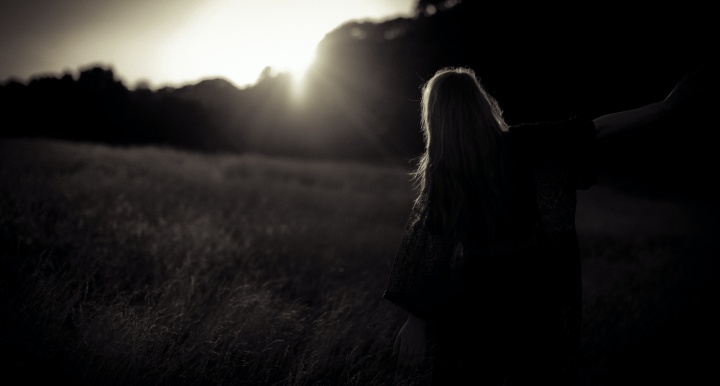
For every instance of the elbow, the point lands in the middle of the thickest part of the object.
(602, 129)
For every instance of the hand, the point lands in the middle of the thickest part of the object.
(691, 85)
(410, 342)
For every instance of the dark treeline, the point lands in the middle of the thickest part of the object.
(360, 99)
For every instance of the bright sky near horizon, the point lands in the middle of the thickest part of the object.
(173, 42)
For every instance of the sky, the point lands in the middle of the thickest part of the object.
(173, 42)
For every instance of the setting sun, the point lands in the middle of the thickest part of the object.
(178, 42)
(239, 44)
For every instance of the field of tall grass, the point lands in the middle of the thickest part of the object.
(152, 266)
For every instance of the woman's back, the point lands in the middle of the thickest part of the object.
(489, 263)
(516, 314)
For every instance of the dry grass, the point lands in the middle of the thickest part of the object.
(153, 266)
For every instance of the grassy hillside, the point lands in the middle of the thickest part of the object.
(153, 266)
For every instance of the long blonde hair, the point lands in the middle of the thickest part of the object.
(465, 170)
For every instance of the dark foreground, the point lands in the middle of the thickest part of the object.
(152, 266)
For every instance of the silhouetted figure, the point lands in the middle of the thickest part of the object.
(488, 268)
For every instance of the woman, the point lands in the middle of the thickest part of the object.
(488, 268)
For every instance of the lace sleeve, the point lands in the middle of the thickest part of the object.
(422, 271)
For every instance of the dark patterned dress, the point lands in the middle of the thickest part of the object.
(507, 313)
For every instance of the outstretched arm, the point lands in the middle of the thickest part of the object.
(614, 122)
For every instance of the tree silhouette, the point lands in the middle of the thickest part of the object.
(361, 96)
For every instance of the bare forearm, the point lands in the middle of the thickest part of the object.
(629, 119)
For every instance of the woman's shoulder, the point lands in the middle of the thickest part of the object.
(560, 151)
(544, 128)
(549, 137)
